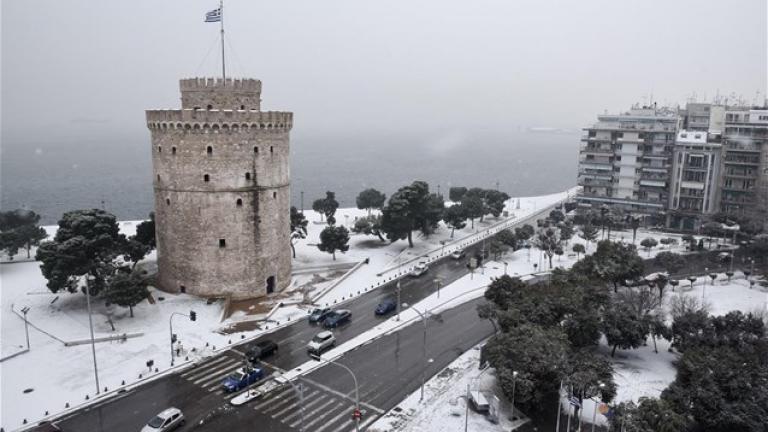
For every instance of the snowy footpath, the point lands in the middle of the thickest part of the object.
(63, 377)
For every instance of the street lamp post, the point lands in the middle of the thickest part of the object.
(505, 267)
(90, 325)
(354, 378)
(300, 392)
(437, 282)
(514, 381)
(192, 317)
(25, 310)
(424, 349)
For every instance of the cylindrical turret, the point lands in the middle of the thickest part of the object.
(222, 198)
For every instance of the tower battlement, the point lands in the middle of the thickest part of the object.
(217, 93)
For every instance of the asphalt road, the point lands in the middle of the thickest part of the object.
(387, 369)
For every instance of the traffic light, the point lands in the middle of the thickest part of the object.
(192, 316)
(356, 414)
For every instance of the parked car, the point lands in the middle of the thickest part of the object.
(321, 342)
(386, 307)
(419, 270)
(169, 419)
(337, 318)
(260, 350)
(459, 254)
(318, 315)
(241, 379)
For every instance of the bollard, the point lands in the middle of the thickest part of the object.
(86, 397)
(206, 344)
(157, 370)
(289, 318)
(24, 422)
(229, 342)
(66, 405)
(140, 376)
(185, 359)
(122, 383)
(242, 336)
(105, 389)
(214, 347)
(46, 413)
(194, 349)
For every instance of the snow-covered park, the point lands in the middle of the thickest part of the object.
(59, 331)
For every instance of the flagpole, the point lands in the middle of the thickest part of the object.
(223, 64)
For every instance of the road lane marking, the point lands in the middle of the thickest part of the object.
(292, 405)
(341, 395)
(307, 406)
(203, 366)
(275, 395)
(216, 373)
(207, 371)
(320, 417)
(344, 411)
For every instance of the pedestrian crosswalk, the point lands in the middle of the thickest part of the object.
(210, 374)
(324, 411)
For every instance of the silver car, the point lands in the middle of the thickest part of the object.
(168, 420)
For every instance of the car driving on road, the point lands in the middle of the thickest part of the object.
(419, 269)
(337, 318)
(241, 379)
(318, 315)
(261, 350)
(169, 419)
(386, 307)
(321, 342)
(459, 254)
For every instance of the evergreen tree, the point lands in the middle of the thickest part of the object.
(369, 225)
(86, 243)
(579, 249)
(456, 193)
(145, 232)
(20, 229)
(298, 228)
(329, 207)
(411, 208)
(588, 233)
(566, 232)
(648, 243)
(370, 199)
(670, 261)
(455, 217)
(548, 241)
(126, 288)
(623, 327)
(473, 207)
(318, 206)
(334, 238)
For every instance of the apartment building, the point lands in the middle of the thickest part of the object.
(744, 181)
(625, 162)
(694, 182)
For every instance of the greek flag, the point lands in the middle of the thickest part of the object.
(213, 16)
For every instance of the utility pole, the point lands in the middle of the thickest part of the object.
(90, 325)
(398, 299)
(25, 310)
(302, 202)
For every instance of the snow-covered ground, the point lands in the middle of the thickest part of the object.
(59, 318)
(444, 406)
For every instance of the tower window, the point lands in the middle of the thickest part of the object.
(242, 107)
(239, 202)
(222, 243)
(183, 289)
(274, 194)
(206, 178)
(158, 177)
(173, 150)
(168, 201)
(271, 149)
(255, 149)
(209, 107)
(247, 176)
(159, 149)
(209, 150)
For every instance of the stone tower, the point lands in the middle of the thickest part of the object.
(221, 170)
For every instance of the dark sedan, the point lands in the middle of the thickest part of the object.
(337, 318)
(386, 307)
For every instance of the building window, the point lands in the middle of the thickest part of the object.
(168, 201)
(242, 107)
(159, 149)
(173, 150)
(274, 194)
(209, 150)
(271, 149)
(239, 202)
(222, 243)
(183, 289)
(256, 149)
(158, 177)
(247, 176)
(206, 178)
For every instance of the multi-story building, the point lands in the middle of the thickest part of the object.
(744, 181)
(694, 183)
(625, 161)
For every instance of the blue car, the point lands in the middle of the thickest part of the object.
(386, 307)
(337, 318)
(242, 378)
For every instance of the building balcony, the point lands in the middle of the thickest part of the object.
(653, 183)
(596, 166)
(742, 162)
(596, 150)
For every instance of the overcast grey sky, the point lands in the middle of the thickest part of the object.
(92, 67)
